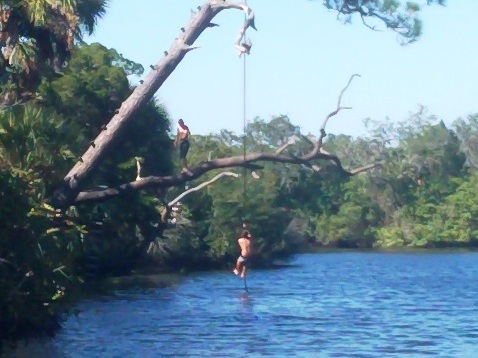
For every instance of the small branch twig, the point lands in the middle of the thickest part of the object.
(339, 107)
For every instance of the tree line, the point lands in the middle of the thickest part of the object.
(58, 93)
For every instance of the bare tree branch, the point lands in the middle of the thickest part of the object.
(166, 211)
(202, 185)
(339, 107)
(290, 141)
(76, 178)
(247, 161)
(70, 190)
(201, 168)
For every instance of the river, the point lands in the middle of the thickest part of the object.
(323, 305)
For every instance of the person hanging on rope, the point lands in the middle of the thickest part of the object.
(245, 244)
(182, 143)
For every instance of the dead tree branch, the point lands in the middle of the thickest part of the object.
(166, 211)
(202, 185)
(316, 153)
(87, 164)
(339, 101)
(69, 192)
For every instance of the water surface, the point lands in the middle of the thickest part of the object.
(324, 305)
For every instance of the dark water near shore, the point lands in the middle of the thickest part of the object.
(325, 305)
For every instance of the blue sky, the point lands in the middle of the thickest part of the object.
(300, 60)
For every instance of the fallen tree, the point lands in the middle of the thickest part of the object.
(78, 176)
(248, 161)
(72, 189)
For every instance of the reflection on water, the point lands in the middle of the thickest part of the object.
(328, 305)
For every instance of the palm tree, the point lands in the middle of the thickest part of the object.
(37, 37)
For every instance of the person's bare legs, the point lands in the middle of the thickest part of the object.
(185, 165)
(244, 272)
(238, 267)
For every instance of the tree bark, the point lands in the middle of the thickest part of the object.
(70, 191)
(78, 176)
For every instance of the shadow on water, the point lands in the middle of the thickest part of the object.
(246, 308)
(135, 281)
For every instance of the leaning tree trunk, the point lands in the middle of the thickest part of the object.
(78, 176)
(70, 191)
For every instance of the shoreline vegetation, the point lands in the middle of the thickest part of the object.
(414, 185)
(416, 202)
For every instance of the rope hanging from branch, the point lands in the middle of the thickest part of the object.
(246, 47)
(244, 128)
(243, 46)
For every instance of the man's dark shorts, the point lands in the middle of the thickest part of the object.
(183, 148)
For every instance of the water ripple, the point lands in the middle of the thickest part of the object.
(326, 305)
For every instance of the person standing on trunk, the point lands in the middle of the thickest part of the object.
(182, 143)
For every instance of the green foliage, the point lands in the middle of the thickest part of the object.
(28, 143)
(399, 16)
(421, 197)
(430, 159)
(37, 39)
(87, 96)
(349, 223)
(43, 252)
(459, 215)
(88, 93)
(36, 243)
(405, 203)
(230, 209)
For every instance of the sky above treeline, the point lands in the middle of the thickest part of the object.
(302, 56)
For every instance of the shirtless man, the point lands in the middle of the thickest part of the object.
(245, 243)
(182, 141)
